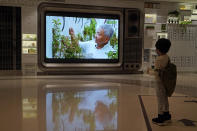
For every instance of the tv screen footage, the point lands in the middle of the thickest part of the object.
(72, 37)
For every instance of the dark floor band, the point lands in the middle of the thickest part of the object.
(145, 114)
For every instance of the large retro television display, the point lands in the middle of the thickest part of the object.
(75, 37)
(79, 37)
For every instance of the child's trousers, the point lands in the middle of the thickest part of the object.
(162, 98)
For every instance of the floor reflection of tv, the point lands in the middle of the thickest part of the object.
(71, 110)
(79, 36)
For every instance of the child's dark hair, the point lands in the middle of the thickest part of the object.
(163, 45)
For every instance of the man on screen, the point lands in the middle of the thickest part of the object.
(99, 48)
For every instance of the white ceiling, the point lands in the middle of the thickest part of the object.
(35, 1)
(179, 1)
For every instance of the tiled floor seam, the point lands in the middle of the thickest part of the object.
(145, 114)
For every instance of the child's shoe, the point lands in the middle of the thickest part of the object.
(167, 116)
(162, 119)
(159, 120)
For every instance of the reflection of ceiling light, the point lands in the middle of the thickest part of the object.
(29, 108)
(150, 15)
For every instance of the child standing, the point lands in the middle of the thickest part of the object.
(162, 47)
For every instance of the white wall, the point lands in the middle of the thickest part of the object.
(183, 51)
(29, 20)
(162, 13)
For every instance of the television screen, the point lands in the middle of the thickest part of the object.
(72, 110)
(81, 37)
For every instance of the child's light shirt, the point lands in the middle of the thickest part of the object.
(160, 63)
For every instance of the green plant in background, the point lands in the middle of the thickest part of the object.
(56, 38)
(114, 44)
(114, 40)
(79, 37)
(85, 32)
(112, 54)
(89, 31)
(71, 47)
(62, 46)
(111, 22)
(184, 24)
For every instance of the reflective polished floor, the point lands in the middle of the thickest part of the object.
(93, 103)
